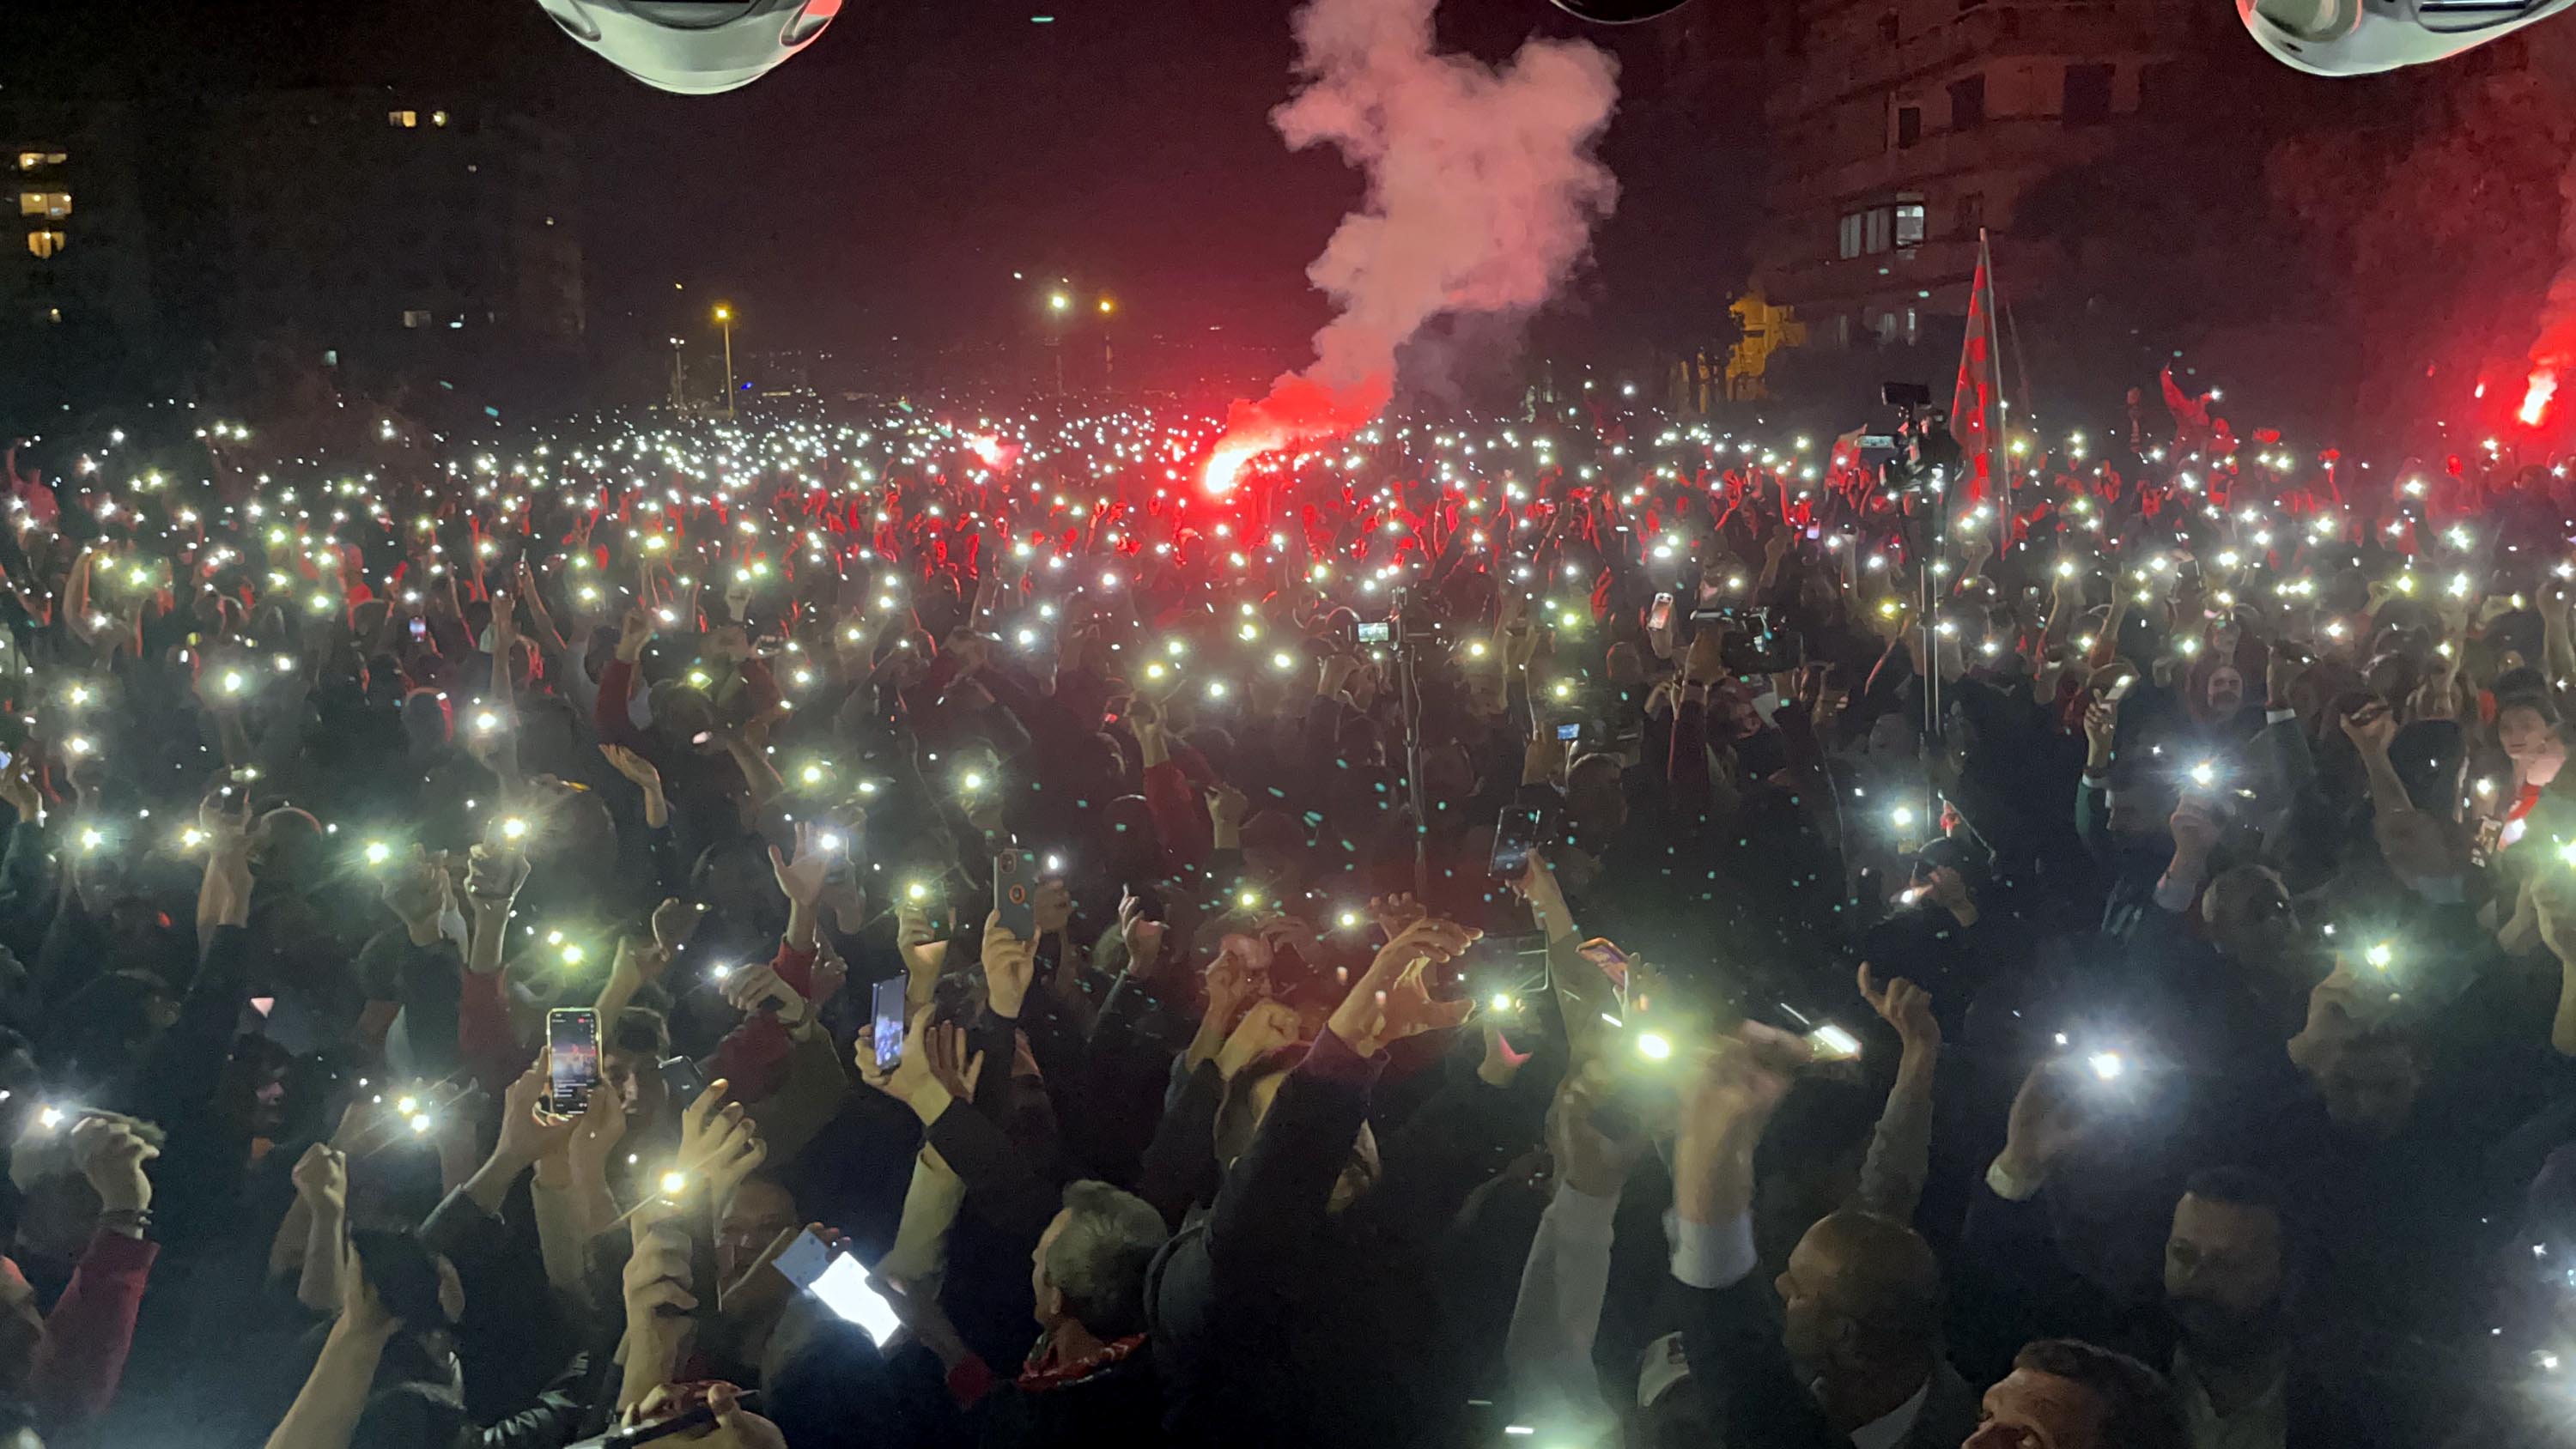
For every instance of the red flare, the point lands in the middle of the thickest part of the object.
(1298, 410)
(2536, 398)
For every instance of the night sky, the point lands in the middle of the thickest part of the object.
(887, 182)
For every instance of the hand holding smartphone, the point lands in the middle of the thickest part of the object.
(840, 1284)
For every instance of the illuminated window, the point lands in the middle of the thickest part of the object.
(46, 243)
(404, 119)
(1909, 223)
(34, 160)
(51, 205)
(416, 317)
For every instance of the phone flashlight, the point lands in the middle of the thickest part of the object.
(1831, 1043)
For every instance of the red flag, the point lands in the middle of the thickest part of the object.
(1976, 408)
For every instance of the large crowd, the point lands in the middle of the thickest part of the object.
(1561, 930)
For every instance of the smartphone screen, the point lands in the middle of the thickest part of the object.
(1014, 892)
(843, 1288)
(420, 628)
(1375, 631)
(1569, 733)
(1661, 616)
(572, 1043)
(886, 1002)
(683, 1081)
(1515, 835)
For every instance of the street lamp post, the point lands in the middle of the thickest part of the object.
(724, 319)
(679, 379)
(1059, 304)
(1108, 355)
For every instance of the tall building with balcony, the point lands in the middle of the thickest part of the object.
(1899, 128)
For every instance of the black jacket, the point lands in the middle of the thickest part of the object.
(1276, 1321)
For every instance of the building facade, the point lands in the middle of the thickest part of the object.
(1900, 128)
(77, 267)
(157, 243)
(397, 231)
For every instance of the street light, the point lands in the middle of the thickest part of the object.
(724, 319)
(1060, 302)
(1107, 306)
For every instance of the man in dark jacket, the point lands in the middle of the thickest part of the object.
(1866, 1353)
(1303, 1309)
(1089, 1380)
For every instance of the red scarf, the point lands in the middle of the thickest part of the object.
(1043, 1372)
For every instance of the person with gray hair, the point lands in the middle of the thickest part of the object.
(1087, 1380)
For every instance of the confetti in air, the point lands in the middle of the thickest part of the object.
(1483, 189)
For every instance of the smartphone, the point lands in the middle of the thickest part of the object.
(683, 1081)
(572, 1057)
(1014, 892)
(1601, 952)
(419, 628)
(1661, 615)
(842, 1286)
(1569, 733)
(885, 1002)
(1515, 836)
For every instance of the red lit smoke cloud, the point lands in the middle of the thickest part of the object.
(1482, 194)
(2553, 357)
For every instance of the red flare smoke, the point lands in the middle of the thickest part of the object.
(1298, 410)
(2536, 398)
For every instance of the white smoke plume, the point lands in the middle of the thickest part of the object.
(1483, 191)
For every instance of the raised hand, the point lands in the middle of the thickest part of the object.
(718, 1143)
(1589, 1160)
(1009, 965)
(2047, 1119)
(1395, 911)
(911, 1071)
(528, 1130)
(1142, 936)
(1392, 1000)
(2371, 728)
(634, 767)
(416, 891)
(801, 880)
(321, 1176)
(634, 634)
(1266, 1027)
(111, 1154)
(945, 1055)
(1226, 808)
(758, 987)
(674, 922)
(1724, 1108)
(1904, 1006)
